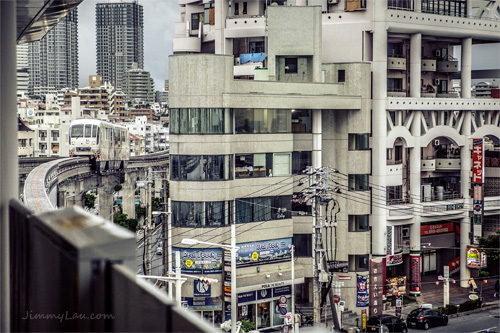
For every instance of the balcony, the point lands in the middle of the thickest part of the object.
(394, 174)
(396, 93)
(429, 65)
(448, 94)
(447, 164)
(396, 63)
(428, 165)
(245, 27)
(447, 66)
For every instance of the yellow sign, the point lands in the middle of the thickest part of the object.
(363, 322)
(255, 256)
(189, 263)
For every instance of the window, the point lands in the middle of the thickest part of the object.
(301, 121)
(341, 75)
(217, 213)
(389, 154)
(190, 121)
(243, 119)
(204, 167)
(394, 49)
(358, 262)
(300, 161)
(395, 84)
(196, 18)
(236, 8)
(187, 214)
(300, 205)
(256, 47)
(249, 121)
(244, 8)
(201, 121)
(263, 208)
(303, 245)
(358, 183)
(290, 65)
(394, 194)
(190, 167)
(358, 141)
(281, 164)
(359, 223)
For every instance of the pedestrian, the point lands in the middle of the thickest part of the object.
(497, 288)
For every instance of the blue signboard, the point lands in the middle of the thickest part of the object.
(264, 293)
(199, 261)
(264, 251)
(282, 291)
(246, 297)
(202, 289)
(362, 299)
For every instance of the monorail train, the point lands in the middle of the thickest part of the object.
(106, 144)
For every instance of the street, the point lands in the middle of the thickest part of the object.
(156, 264)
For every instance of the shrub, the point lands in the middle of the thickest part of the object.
(470, 305)
(247, 325)
(449, 309)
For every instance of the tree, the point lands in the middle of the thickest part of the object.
(124, 221)
(118, 188)
(90, 200)
(491, 247)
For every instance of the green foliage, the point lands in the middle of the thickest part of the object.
(124, 221)
(140, 211)
(449, 309)
(247, 325)
(484, 274)
(491, 245)
(470, 305)
(118, 188)
(156, 204)
(90, 200)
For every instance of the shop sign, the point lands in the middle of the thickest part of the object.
(338, 266)
(415, 274)
(202, 289)
(477, 161)
(272, 285)
(455, 206)
(284, 290)
(394, 260)
(455, 263)
(376, 285)
(475, 258)
(396, 285)
(264, 293)
(363, 319)
(362, 296)
(265, 251)
(390, 241)
(246, 297)
(434, 229)
(200, 261)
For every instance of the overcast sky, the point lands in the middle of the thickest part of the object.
(159, 18)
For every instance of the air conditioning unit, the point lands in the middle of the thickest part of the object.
(437, 53)
(436, 82)
(436, 142)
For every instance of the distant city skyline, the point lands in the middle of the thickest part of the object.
(159, 18)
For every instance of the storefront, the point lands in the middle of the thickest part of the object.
(208, 308)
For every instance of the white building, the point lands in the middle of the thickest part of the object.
(155, 135)
(258, 92)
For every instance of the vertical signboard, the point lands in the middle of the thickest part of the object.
(477, 185)
(226, 275)
(376, 285)
(415, 273)
(362, 298)
(390, 240)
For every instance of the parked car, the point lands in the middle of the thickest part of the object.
(389, 324)
(159, 249)
(425, 318)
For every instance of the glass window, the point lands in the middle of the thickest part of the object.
(261, 124)
(215, 214)
(174, 167)
(290, 65)
(243, 166)
(243, 119)
(341, 75)
(281, 207)
(281, 164)
(300, 161)
(263, 315)
(187, 214)
(190, 167)
(213, 121)
(228, 121)
(217, 167)
(94, 131)
(244, 209)
(88, 131)
(303, 245)
(358, 223)
(262, 209)
(190, 121)
(358, 141)
(300, 205)
(281, 122)
(76, 131)
(301, 121)
(174, 121)
(358, 183)
(256, 47)
(358, 262)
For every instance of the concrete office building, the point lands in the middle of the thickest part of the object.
(120, 39)
(53, 61)
(138, 85)
(363, 87)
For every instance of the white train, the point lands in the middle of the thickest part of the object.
(107, 144)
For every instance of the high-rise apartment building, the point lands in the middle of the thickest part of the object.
(363, 89)
(119, 38)
(53, 61)
(138, 85)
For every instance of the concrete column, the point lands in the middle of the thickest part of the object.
(469, 8)
(465, 180)
(379, 134)
(128, 195)
(466, 66)
(221, 9)
(415, 65)
(9, 178)
(317, 139)
(418, 6)
(61, 198)
(415, 193)
(106, 202)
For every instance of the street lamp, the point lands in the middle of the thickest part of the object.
(233, 248)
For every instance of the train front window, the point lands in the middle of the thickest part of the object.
(88, 130)
(76, 131)
(94, 131)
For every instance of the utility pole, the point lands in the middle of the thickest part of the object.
(148, 223)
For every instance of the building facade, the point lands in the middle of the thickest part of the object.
(119, 38)
(53, 61)
(363, 89)
(138, 85)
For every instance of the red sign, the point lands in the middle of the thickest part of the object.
(394, 260)
(477, 161)
(455, 263)
(336, 298)
(433, 229)
(415, 274)
(377, 282)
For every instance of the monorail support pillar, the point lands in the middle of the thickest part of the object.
(128, 198)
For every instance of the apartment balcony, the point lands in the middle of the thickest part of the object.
(452, 208)
(396, 63)
(253, 26)
(396, 93)
(394, 174)
(447, 164)
(447, 94)
(399, 210)
(187, 44)
(429, 65)
(428, 165)
(447, 66)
